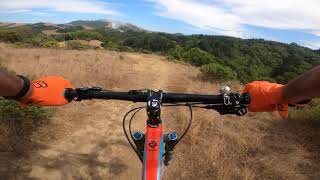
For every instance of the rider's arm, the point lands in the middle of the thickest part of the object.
(10, 84)
(46, 91)
(306, 86)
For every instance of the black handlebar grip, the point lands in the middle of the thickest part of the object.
(69, 94)
(246, 98)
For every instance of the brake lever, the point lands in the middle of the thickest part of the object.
(233, 103)
(223, 110)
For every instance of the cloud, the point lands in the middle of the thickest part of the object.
(71, 6)
(18, 11)
(315, 32)
(200, 15)
(311, 44)
(230, 17)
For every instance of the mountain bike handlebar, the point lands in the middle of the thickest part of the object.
(142, 96)
(224, 103)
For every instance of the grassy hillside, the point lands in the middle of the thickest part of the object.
(219, 56)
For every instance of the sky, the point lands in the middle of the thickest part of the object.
(286, 21)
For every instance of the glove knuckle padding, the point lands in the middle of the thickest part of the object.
(266, 96)
(50, 95)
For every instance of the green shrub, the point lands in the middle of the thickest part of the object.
(10, 36)
(217, 72)
(176, 53)
(198, 57)
(74, 44)
(12, 110)
(50, 44)
(111, 46)
(84, 35)
(126, 49)
(35, 41)
(58, 37)
(16, 34)
(19, 124)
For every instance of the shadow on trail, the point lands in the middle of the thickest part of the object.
(19, 153)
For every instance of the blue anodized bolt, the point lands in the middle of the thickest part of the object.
(173, 136)
(137, 136)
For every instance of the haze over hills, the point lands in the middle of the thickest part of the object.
(107, 24)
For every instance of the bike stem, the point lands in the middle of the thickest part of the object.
(154, 120)
(154, 108)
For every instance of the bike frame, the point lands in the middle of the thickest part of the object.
(157, 148)
(153, 162)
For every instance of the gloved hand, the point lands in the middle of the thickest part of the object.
(48, 91)
(266, 96)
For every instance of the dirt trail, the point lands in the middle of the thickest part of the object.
(85, 140)
(93, 146)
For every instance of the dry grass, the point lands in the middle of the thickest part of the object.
(11, 24)
(85, 140)
(93, 43)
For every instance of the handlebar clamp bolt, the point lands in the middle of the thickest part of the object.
(173, 136)
(137, 136)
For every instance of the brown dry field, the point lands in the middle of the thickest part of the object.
(85, 140)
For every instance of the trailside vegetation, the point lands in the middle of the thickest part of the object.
(13, 112)
(219, 57)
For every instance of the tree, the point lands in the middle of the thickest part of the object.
(218, 72)
(198, 57)
(176, 53)
(84, 35)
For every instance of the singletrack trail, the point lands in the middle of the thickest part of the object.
(85, 140)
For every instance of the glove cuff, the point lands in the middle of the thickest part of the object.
(277, 95)
(280, 102)
(25, 89)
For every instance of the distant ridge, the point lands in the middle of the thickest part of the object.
(122, 26)
(95, 24)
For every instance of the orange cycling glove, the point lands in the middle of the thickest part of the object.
(266, 96)
(48, 91)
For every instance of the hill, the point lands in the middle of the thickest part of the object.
(101, 24)
(84, 140)
(219, 58)
(95, 24)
